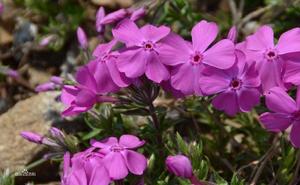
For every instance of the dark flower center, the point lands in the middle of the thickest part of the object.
(271, 55)
(196, 58)
(148, 45)
(116, 148)
(235, 83)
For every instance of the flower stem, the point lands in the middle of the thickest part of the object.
(195, 181)
(156, 125)
(295, 176)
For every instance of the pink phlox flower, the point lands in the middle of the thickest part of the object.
(143, 53)
(120, 156)
(270, 57)
(104, 69)
(189, 59)
(237, 88)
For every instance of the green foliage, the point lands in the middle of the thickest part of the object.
(6, 178)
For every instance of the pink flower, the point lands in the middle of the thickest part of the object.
(82, 39)
(143, 53)
(285, 113)
(190, 59)
(46, 40)
(48, 86)
(180, 165)
(104, 69)
(100, 15)
(236, 88)
(270, 58)
(120, 158)
(84, 168)
(84, 95)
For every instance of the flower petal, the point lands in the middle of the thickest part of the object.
(128, 33)
(221, 55)
(289, 41)
(130, 141)
(85, 78)
(119, 78)
(262, 39)
(275, 122)
(85, 98)
(174, 50)
(68, 94)
(248, 98)
(116, 166)
(133, 62)
(105, 143)
(103, 49)
(277, 100)
(184, 78)
(217, 82)
(226, 101)
(292, 73)
(156, 71)
(203, 34)
(153, 33)
(135, 162)
(294, 135)
(99, 176)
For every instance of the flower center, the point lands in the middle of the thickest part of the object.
(271, 55)
(148, 45)
(116, 148)
(235, 83)
(196, 58)
(296, 116)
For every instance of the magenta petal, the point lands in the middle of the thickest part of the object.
(251, 77)
(68, 94)
(119, 78)
(277, 100)
(130, 141)
(271, 74)
(116, 166)
(156, 71)
(226, 101)
(105, 143)
(153, 33)
(203, 34)
(103, 49)
(292, 72)
(133, 62)
(289, 41)
(294, 135)
(174, 50)
(262, 39)
(221, 55)
(77, 177)
(85, 98)
(215, 83)
(105, 83)
(248, 98)
(74, 110)
(85, 78)
(135, 162)
(184, 78)
(99, 176)
(128, 32)
(275, 122)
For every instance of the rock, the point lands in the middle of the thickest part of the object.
(5, 37)
(31, 114)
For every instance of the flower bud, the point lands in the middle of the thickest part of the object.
(100, 15)
(180, 165)
(48, 86)
(114, 17)
(82, 39)
(138, 14)
(232, 34)
(57, 80)
(55, 132)
(32, 137)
